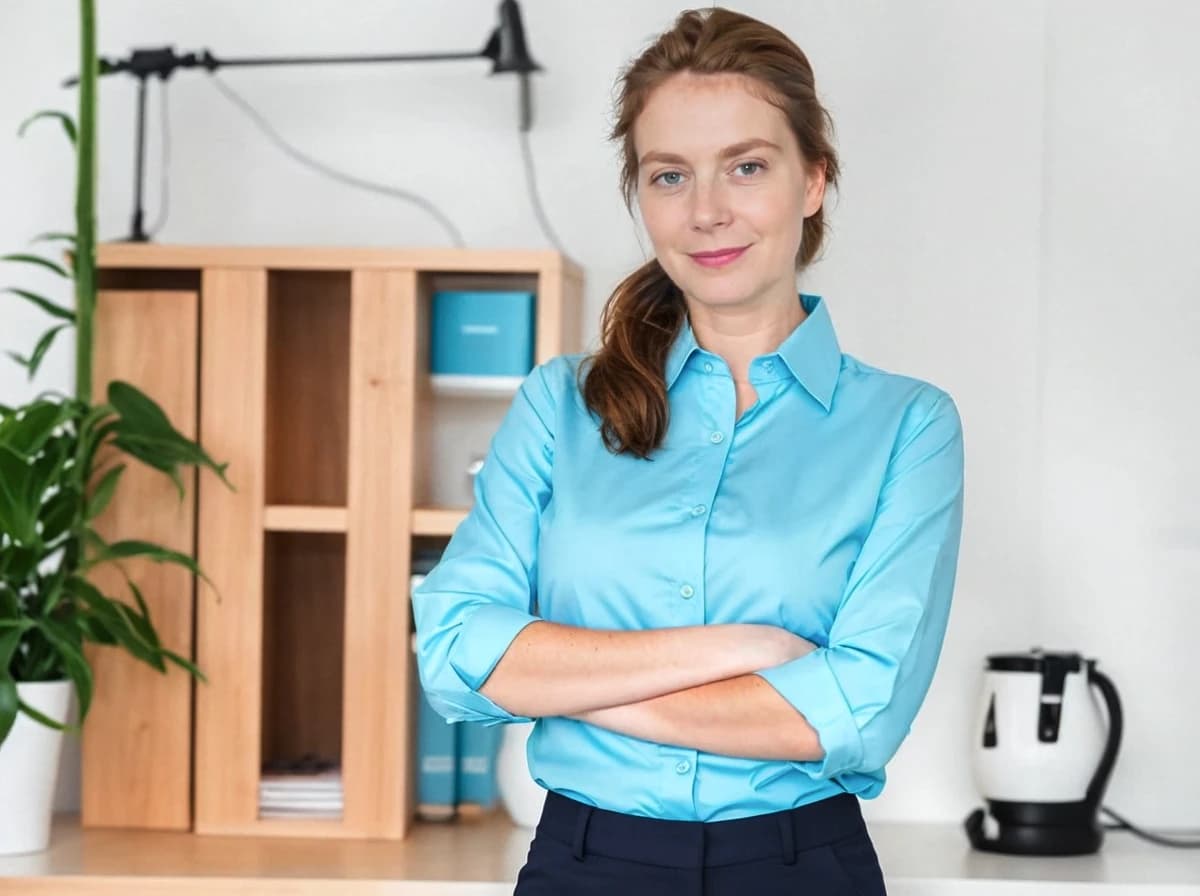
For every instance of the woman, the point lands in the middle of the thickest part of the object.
(714, 559)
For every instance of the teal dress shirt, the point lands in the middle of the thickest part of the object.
(832, 507)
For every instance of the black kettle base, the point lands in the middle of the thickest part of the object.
(1016, 838)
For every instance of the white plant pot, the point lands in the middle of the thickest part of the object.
(521, 796)
(29, 769)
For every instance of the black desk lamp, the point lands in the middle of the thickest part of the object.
(505, 47)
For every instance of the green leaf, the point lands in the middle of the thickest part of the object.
(46, 720)
(10, 637)
(42, 302)
(27, 431)
(68, 123)
(70, 652)
(146, 434)
(91, 629)
(25, 258)
(39, 350)
(103, 493)
(185, 665)
(9, 608)
(9, 703)
(121, 550)
(55, 236)
(142, 605)
(19, 562)
(107, 614)
(59, 513)
(93, 437)
(18, 506)
(158, 454)
(141, 621)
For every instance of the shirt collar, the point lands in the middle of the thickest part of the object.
(811, 352)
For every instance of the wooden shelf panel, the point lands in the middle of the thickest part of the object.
(478, 856)
(437, 520)
(300, 518)
(325, 258)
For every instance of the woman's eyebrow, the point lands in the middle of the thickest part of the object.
(727, 153)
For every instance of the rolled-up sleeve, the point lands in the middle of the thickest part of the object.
(481, 594)
(862, 691)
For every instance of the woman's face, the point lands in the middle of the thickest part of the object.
(719, 168)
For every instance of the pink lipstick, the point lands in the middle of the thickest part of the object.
(719, 257)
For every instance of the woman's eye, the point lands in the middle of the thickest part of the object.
(666, 174)
(755, 165)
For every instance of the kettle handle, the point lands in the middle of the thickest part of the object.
(1112, 701)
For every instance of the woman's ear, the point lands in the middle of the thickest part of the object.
(814, 187)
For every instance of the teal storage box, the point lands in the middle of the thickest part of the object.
(482, 334)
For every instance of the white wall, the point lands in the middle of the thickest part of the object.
(1015, 225)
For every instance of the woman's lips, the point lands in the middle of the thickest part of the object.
(718, 259)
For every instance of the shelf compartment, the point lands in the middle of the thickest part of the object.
(304, 608)
(308, 405)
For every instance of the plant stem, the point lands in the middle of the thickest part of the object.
(85, 203)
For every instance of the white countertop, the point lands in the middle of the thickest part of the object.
(481, 857)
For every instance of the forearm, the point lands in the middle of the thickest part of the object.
(742, 716)
(557, 670)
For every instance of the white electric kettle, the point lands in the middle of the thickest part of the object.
(1043, 754)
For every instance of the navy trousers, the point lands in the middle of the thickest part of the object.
(822, 849)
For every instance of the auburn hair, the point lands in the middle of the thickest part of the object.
(624, 381)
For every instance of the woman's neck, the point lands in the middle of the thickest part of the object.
(740, 333)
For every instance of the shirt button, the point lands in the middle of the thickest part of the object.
(708, 367)
(699, 510)
(717, 438)
(686, 591)
(769, 366)
(683, 767)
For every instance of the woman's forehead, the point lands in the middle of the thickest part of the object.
(702, 116)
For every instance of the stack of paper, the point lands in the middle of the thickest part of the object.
(297, 794)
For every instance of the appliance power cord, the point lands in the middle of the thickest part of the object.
(1123, 824)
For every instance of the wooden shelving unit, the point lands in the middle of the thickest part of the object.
(307, 371)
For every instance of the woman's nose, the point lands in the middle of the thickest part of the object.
(710, 207)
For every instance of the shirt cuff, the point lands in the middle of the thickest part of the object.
(485, 636)
(809, 685)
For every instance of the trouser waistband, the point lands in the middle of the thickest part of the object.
(688, 844)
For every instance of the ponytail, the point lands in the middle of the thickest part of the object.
(625, 383)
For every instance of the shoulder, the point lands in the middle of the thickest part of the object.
(555, 381)
(552, 387)
(912, 403)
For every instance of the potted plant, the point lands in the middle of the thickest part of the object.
(61, 461)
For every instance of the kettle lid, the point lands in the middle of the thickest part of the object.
(1037, 660)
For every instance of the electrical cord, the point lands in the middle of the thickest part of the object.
(333, 173)
(531, 183)
(1124, 824)
(261, 122)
